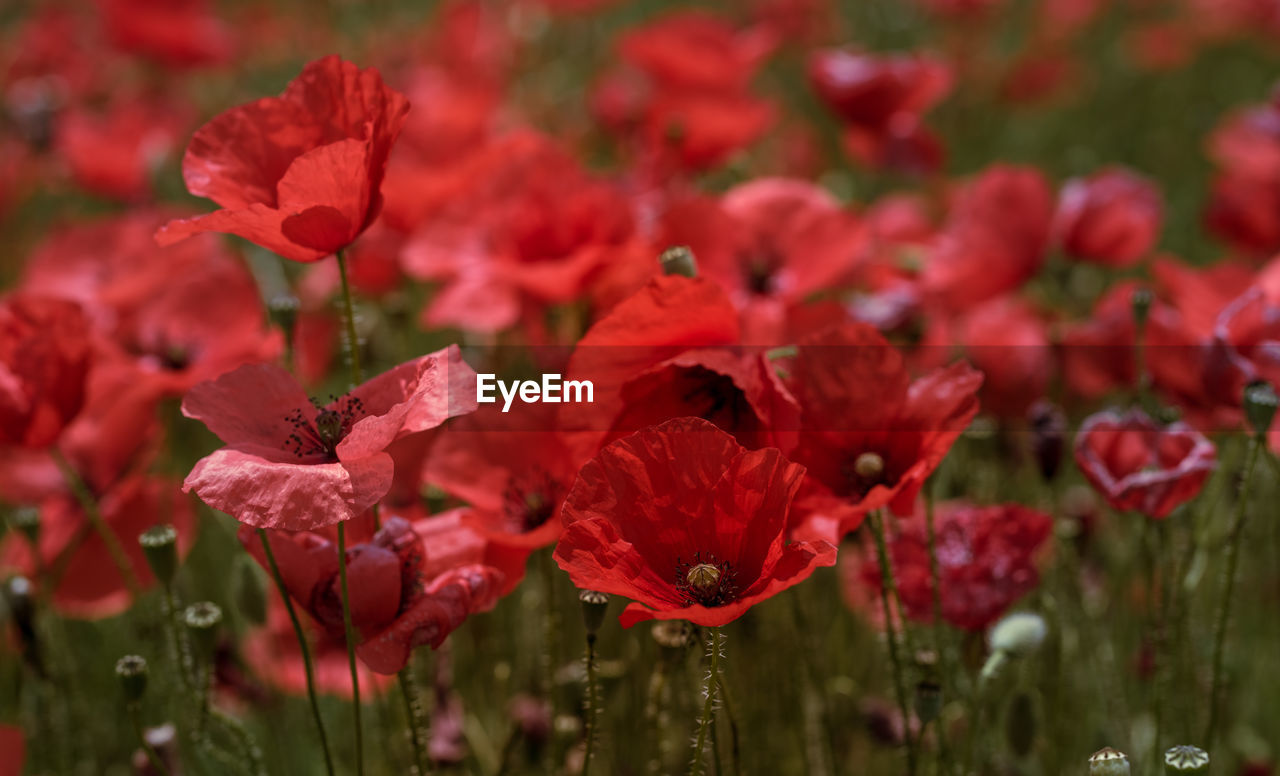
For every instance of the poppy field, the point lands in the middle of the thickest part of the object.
(638, 387)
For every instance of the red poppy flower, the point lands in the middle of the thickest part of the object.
(772, 244)
(529, 228)
(994, 239)
(44, 361)
(12, 740)
(401, 596)
(300, 174)
(512, 468)
(870, 436)
(88, 583)
(1244, 205)
(687, 523)
(1137, 464)
(870, 91)
(1112, 217)
(1008, 342)
(986, 562)
(647, 366)
(297, 466)
(176, 33)
(695, 50)
(114, 154)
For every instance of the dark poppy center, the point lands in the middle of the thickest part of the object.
(863, 472)
(321, 436)
(705, 581)
(530, 501)
(760, 272)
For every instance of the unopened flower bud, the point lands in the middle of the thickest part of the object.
(160, 546)
(131, 670)
(1108, 762)
(250, 590)
(202, 621)
(594, 606)
(1260, 406)
(679, 260)
(1048, 434)
(1183, 760)
(1019, 634)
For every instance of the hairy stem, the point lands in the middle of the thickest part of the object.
(888, 591)
(712, 684)
(417, 720)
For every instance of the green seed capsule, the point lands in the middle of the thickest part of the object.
(160, 546)
(1183, 760)
(131, 670)
(1109, 762)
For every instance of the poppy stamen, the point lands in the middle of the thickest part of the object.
(331, 426)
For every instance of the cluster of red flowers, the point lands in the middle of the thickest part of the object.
(811, 361)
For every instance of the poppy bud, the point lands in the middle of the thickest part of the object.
(594, 605)
(18, 595)
(160, 546)
(1260, 406)
(1186, 759)
(1108, 762)
(26, 520)
(202, 621)
(674, 636)
(131, 670)
(679, 260)
(250, 591)
(1019, 634)
(1020, 724)
(1048, 432)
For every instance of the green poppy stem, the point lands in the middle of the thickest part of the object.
(888, 591)
(302, 647)
(714, 647)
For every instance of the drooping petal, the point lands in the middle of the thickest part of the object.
(249, 406)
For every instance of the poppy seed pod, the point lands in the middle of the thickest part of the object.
(594, 605)
(679, 260)
(160, 546)
(1141, 303)
(131, 670)
(1184, 759)
(1018, 634)
(202, 621)
(1260, 406)
(1108, 762)
(1048, 434)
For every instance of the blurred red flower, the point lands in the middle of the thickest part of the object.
(175, 33)
(295, 465)
(687, 523)
(772, 244)
(402, 595)
(1112, 217)
(512, 468)
(114, 153)
(44, 361)
(870, 435)
(300, 174)
(994, 239)
(986, 562)
(1135, 463)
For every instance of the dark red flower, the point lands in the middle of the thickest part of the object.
(528, 228)
(694, 50)
(295, 465)
(648, 364)
(772, 244)
(402, 594)
(1244, 206)
(1135, 463)
(512, 468)
(300, 174)
(871, 91)
(13, 740)
(1112, 217)
(686, 523)
(1007, 340)
(176, 33)
(994, 239)
(870, 435)
(986, 562)
(44, 361)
